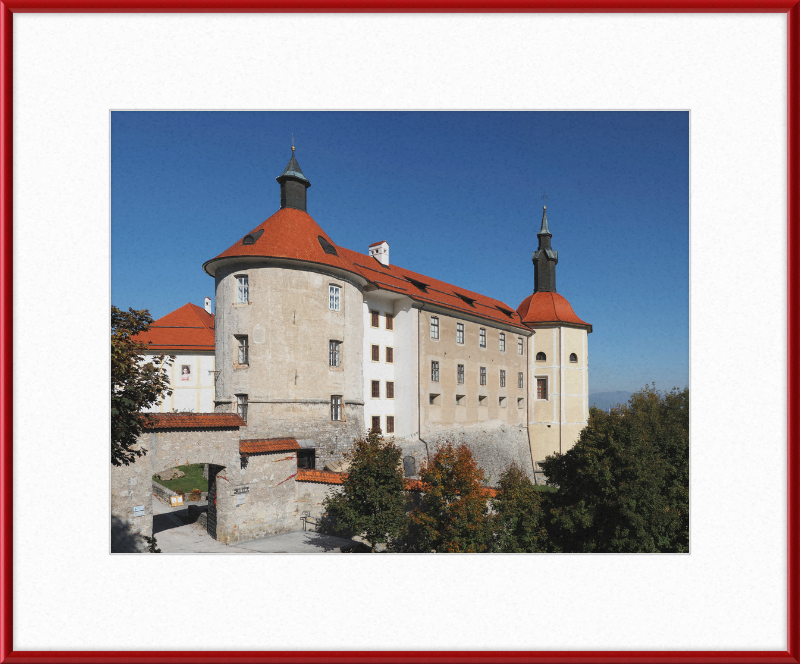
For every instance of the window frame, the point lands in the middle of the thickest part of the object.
(542, 387)
(575, 355)
(334, 297)
(242, 280)
(372, 422)
(541, 359)
(241, 406)
(337, 408)
(239, 347)
(460, 334)
(390, 424)
(375, 383)
(434, 371)
(375, 319)
(388, 321)
(460, 374)
(389, 388)
(435, 328)
(334, 353)
(521, 380)
(502, 342)
(375, 351)
(482, 377)
(520, 346)
(389, 354)
(502, 377)
(482, 338)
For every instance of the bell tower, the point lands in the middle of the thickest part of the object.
(293, 185)
(545, 260)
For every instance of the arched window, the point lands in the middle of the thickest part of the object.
(573, 357)
(540, 357)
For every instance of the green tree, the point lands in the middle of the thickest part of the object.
(452, 514)
(135, 384)
(519, 518)
(624, 486)
(372, 501)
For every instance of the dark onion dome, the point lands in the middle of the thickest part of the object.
(548, 307)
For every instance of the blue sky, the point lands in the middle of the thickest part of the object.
(456, 194)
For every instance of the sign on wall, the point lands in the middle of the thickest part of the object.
(138, 510)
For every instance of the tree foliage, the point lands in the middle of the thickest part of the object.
(372, 501)
(135, 384)
(624, 486)
(519, 517)
(452, 514)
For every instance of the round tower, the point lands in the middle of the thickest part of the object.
(289, 330)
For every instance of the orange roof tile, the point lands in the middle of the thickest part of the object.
(189, 328)
(193, 421)
(292, 234)
(324, 476)
(548, 307)
(260, 446)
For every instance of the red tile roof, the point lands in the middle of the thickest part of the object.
(293, 234)
(259, 446)
(427, 289)
(548, 308)
(375, 244)
(193, 421)
(190, 328)
(329, 477)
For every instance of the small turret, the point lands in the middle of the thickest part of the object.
(545, 260)
(293, 185)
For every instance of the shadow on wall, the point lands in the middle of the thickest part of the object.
(124, 539)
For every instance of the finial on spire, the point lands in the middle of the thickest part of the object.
(293, 144)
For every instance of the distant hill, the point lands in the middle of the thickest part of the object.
(606, 400)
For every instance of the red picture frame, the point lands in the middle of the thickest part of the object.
(789, 7)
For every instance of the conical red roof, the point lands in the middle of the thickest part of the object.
(548, 307)
(289, 233)
(189, 328)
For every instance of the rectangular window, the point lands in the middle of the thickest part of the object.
(336, 408)
(376, 422)
(460, 374)
(333, 353)
(334, 297)
(502, 402)
(460, 400)
(483, 337)
(390, 389)
(389, 355)
(375, 318)
(435, 371)
(376, 389)
(307, 458)
(519, 346)
(389, 326)
(481, 400)
(520, 383)
(502, 377)
(502, 342)
(434, 327)
(483, 375)
(390, 424)
(433, 399)
(242, 355)
(241, 406)
(459, 333)
(520, 402)
(376, 353)
(242, 290)
(541, 388)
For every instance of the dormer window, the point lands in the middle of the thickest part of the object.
(327, 247)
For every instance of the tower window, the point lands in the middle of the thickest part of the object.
(242, 290)
(241, 406)
(389, 326)
(435, 371)
(389, 355)
(483, 337)
(376, 389)
(460, 374)
(376, 353)
(573, 357)
(502, 377)
(520, 383)
(541, 357)
(519, 346)
(334, 297)
(334, 348)
(502, 342)
(434, 327)
(336, 408)
(375, 319)
(242, 354)
(541, 389)
(390, 389)
(483, 375)
(459, 333)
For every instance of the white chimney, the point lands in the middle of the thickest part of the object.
(380, 250)
(208, 305)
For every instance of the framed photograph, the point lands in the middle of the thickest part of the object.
(66, 69)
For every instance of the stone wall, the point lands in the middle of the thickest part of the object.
(310, 496)
(131, 487)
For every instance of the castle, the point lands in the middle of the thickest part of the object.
(314, 343)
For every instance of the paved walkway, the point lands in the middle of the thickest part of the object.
(174, 535)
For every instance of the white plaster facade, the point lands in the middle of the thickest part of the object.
(195, 393)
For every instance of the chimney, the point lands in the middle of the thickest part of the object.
(380, 251)
(208, 305)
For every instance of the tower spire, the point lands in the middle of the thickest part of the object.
(545, 259)
(293, 184)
